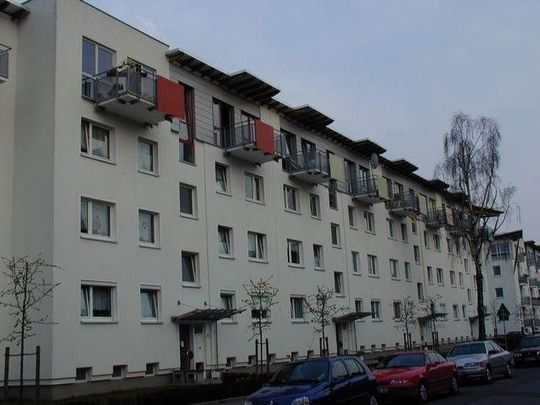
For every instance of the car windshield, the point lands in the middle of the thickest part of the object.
(403, 360)
(530, 342)
(306, 372)
(464, 350)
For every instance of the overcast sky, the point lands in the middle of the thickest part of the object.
(392, 71)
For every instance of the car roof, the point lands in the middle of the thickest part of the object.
(411, 352)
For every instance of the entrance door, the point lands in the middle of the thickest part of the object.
(198, 344)
(185, 347)
(342, 337)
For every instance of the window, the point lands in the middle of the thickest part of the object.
(225, 246)
(95, 59)
(373, 267)
(297, 308)
(430, 274)
(339, 370)
(98, 302)
(148, 228)
(465, 264)
(394, 268)
(370, 222)
(458, 249)
(420, 290)
(460, 277)
(119, 371)
(437, 241)
(426, 239)
(315, 206)
(496, 270)
(186, 147)
(414, 226)
(449, 246)
(228, 303)
(188, 200)
(96, 141)
(150, 304)
(338, 283)
(404, 234)
(442, 310)
(469, 295)
(397, 309)
(352, 217)
(355, 258)
(417, 254)
(332, 194)
(391, 230)
(190, 269)
(294, 252)
(291, 199)
(500, 251)
(464, 311)
(223, 121)
(318, 258)
(254, 188)
(440, 276)
(256, 246)
(148, 156)
(408, 275)
(336, 235)
(452, 278)
(376, 310)
(499, 293)
(222, 178)
(455, 310)
(152, 369)
(97, 218)
(359, 305)
(83, 374)
(354, 367)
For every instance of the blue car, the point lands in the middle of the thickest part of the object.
(325, 380)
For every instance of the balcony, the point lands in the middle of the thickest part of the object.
(536, 301)
(254, 142)
(404, 204)
(436, 218)
(312, 167)
(523, 279)
(4, 63)
(366, 190)
(526, 301)
(136, 94)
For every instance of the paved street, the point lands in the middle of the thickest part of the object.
(522, 389)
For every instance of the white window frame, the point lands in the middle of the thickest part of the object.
(369, 218)
(452, 276)
(417, 254)
(339, 281)
(156, 289)
(232, 295)
(193, 189)
(88, 135)
(155, 156)
(295, 300)
(455, 311)
(408, 272)
(426, 240)
(355, 259)
(396, 309)
(373, 266)
(391, 228)
(440, 276)
(335, 229)
(230, 234)
(461, 279)
(257, 184)
(90, 318)
(353, 220)
(290, 243)
(430, 275)
(437, 242)
(155, 228)
(394, 269)
(196, 269)
(295, 193)
(89, 215)
(259, 257)
(226, 179)
(318, 251)
(404, 232)
(314, 198)
(375, 306)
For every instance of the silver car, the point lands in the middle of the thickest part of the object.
(481, 360)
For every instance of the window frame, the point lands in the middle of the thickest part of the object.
(155, 156)
(317, 199)
(300, 244)
(89, 301)
(194, 205)
(391, 228)
(226, 179)
(295, 192)
(373, 265)
(320, 249)
(230, 232)
(355, 260)
(264, 256)
(339, 281)
(353, 220)
(194, 258)
(257, 186)
(232, 295)
(375, 306)
(89, 234)
(155, 289)
(156, 229)
(407, 271)
(87, 135)
(297, 299)
(335, 230)
(394, 269)
(369, 219)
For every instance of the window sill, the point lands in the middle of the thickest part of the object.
(226, 257)
(98, 159)
(296, 266)
(151, 322)
(149, 245)
(153, 174)
(319, 269)
(195, 217)
(255, 201)
(251, 259)
(404, 241)
(225, 193)
(371, 232)
(356, 273)
(299, 321)
(98, 321)
(408, 280)
(336, 246)
(395, 279)
(392, 238)
(190, 285)
(374, 276)
(377, 320)
(355, 228)
(292, 211)
(187, 163)
(317, 218)
(99, 238)
(340, 295)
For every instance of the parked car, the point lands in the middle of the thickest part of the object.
(416, 374)
(325, 380)
(481, 360)
(528, 351)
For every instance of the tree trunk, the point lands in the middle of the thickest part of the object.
(23, 330)
(480, 301)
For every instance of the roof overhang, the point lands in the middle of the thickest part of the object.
(205, 315)
(351, 316)
(432, 316)
(514, 235)
(14, 10)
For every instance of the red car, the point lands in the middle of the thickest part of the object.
(416, 374)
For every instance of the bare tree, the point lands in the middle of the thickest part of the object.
(470, 167)
(405, 319)
(432, 316)
(322, 309)
(25, 289)
(261, 297)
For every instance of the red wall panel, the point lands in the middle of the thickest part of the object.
(170, 98)
(265, 137)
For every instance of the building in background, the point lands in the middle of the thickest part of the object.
(161, 185)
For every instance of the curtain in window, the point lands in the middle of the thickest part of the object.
(249, 187)
(224, 242)
(252, 245)
(149, 303)
(100, 219)
(146, 158)
(100, 142)
(85, 136)
(260, 246)
(146, 227)
(101, 297)
(84, 216)
(85, 301)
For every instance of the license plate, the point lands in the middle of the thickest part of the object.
(383, 390)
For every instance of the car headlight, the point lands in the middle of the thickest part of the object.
(300, 401)
(474, 364)
(397, 381)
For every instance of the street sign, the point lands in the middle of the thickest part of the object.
(503, 313)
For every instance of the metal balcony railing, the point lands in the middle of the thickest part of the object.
(4, 62)
(404, 202)
(125, 81)
(366, 186)
(436, 217)
(240, 135)
(309, 161)
(526, 300)
(523, 279)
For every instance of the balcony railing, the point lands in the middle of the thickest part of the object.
(364, 189)
(526, 301)
(536, 301)
(126, 83)
(4, 63)
(523, 279)
(310, 166)
(404, 204)
(436, 218)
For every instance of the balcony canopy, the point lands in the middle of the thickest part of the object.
(351, 316)
(14, 10)
(205, 315)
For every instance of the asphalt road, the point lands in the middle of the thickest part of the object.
(522, 389)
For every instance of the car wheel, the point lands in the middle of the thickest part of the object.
(508, 371)
(454, 385)
(488, 376)
(423, 392)
(373, 400)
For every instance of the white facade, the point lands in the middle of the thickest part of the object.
(46, 181)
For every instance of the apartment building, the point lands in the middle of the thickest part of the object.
(160, 185)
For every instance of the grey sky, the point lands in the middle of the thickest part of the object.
(393, 71)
